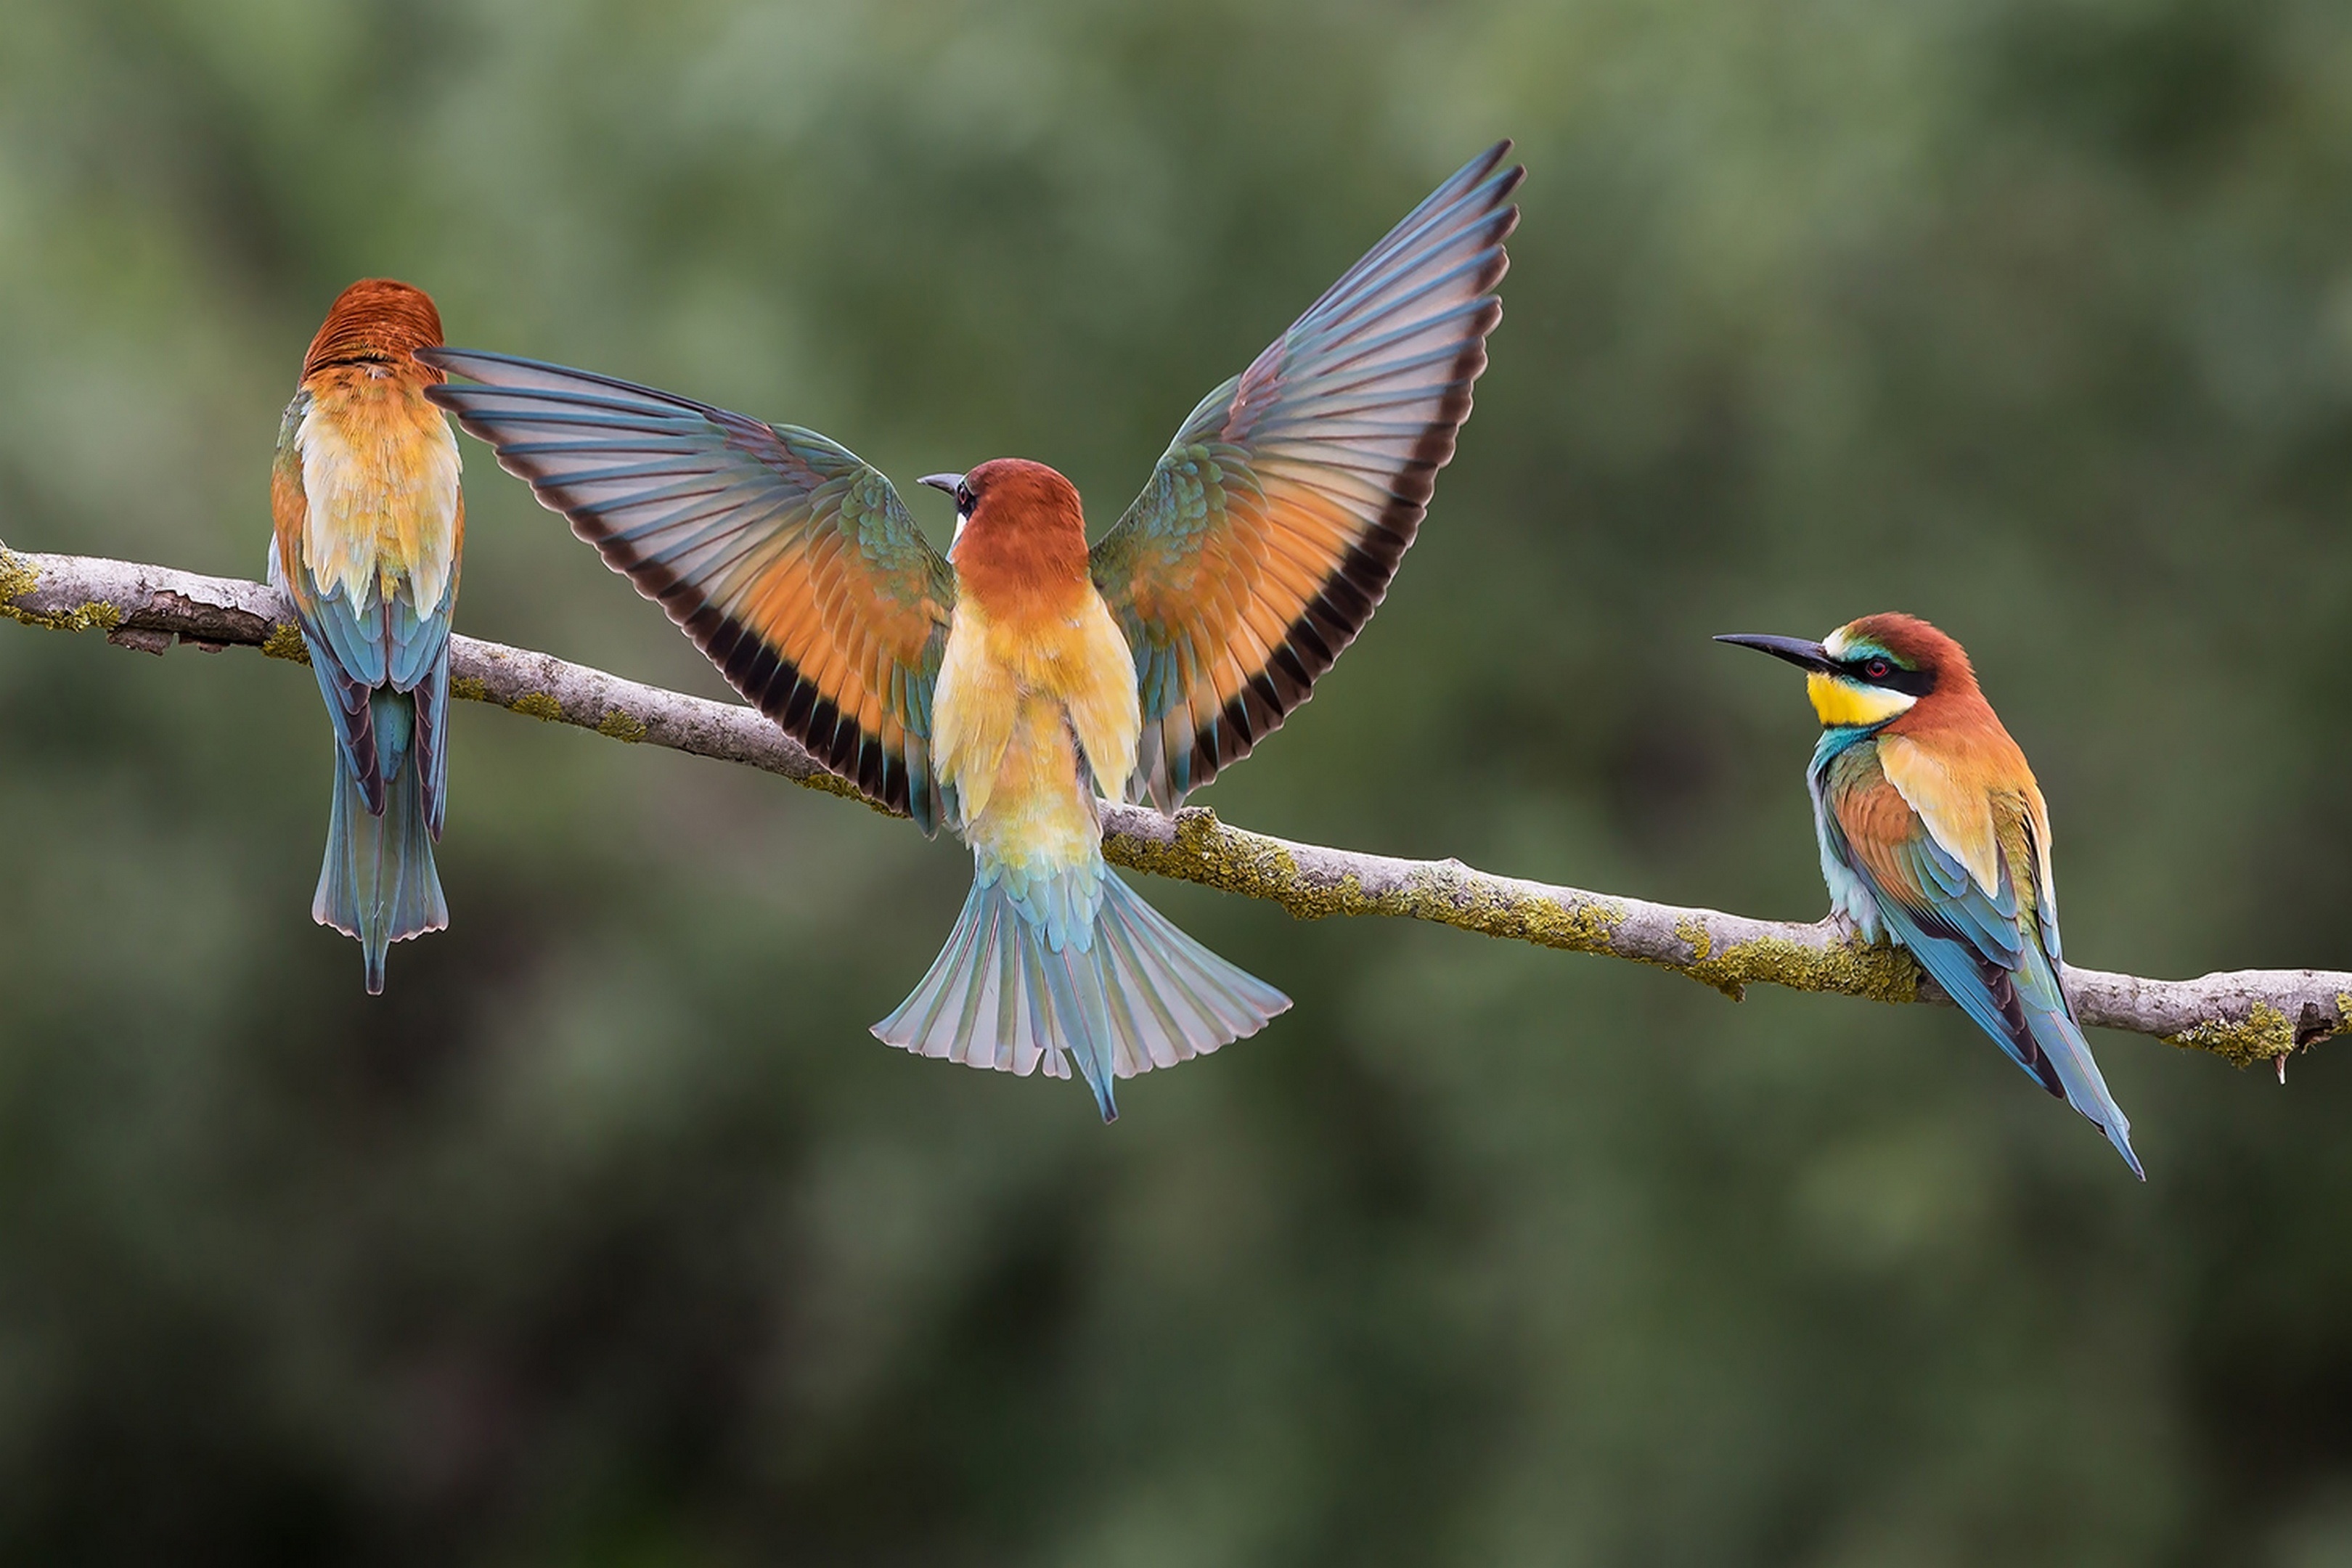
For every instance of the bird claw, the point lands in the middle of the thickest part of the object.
(1844, 928)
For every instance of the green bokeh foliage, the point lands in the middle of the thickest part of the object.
(609, 1236)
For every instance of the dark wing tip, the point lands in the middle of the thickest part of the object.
(1498, 188)
(1503, 225)
(1355, 586)
(2000, 984)
(1486, 163)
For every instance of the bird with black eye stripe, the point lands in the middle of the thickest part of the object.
(1934, 833)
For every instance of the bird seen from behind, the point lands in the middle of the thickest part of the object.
(369, 526)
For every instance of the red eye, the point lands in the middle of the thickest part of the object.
(1878, 669)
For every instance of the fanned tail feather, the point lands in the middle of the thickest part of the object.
(378, 882)
(1125, 994)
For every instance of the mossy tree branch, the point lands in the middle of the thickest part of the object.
(2246, 1016)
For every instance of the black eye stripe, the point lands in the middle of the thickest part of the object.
(1876, 670)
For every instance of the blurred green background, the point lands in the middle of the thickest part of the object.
(609, 1236)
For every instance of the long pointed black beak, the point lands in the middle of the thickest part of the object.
(1796, 650)
(947, 482)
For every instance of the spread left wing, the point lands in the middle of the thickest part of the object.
(1270, 530)
(791, 564)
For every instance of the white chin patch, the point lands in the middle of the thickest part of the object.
(962, 517)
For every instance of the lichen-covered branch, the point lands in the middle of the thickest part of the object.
(2247, 1017)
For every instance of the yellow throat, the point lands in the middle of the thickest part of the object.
(1842, 703)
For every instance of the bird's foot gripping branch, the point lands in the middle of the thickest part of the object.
(2246, 1016)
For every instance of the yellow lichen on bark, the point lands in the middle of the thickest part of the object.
(1844, 969)
(2265, 1034)
(618, 726)
(1232, 861)
(285, 641)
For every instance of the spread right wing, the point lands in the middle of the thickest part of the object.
(1271, 527)
(791, 564)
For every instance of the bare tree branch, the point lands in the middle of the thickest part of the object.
(2246, 1016)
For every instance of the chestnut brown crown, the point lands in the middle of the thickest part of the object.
(1919, 647)
(377, 321)
(1019, 525)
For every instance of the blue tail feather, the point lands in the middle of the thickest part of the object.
(431, 696)
(378, 882)
(2061, 1045)
(2052, 1037)
(1070, 966)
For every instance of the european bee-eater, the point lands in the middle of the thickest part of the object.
(1933, 832)
(999, 688)
(370, 524)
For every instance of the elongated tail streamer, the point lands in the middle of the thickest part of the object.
(379, 883)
